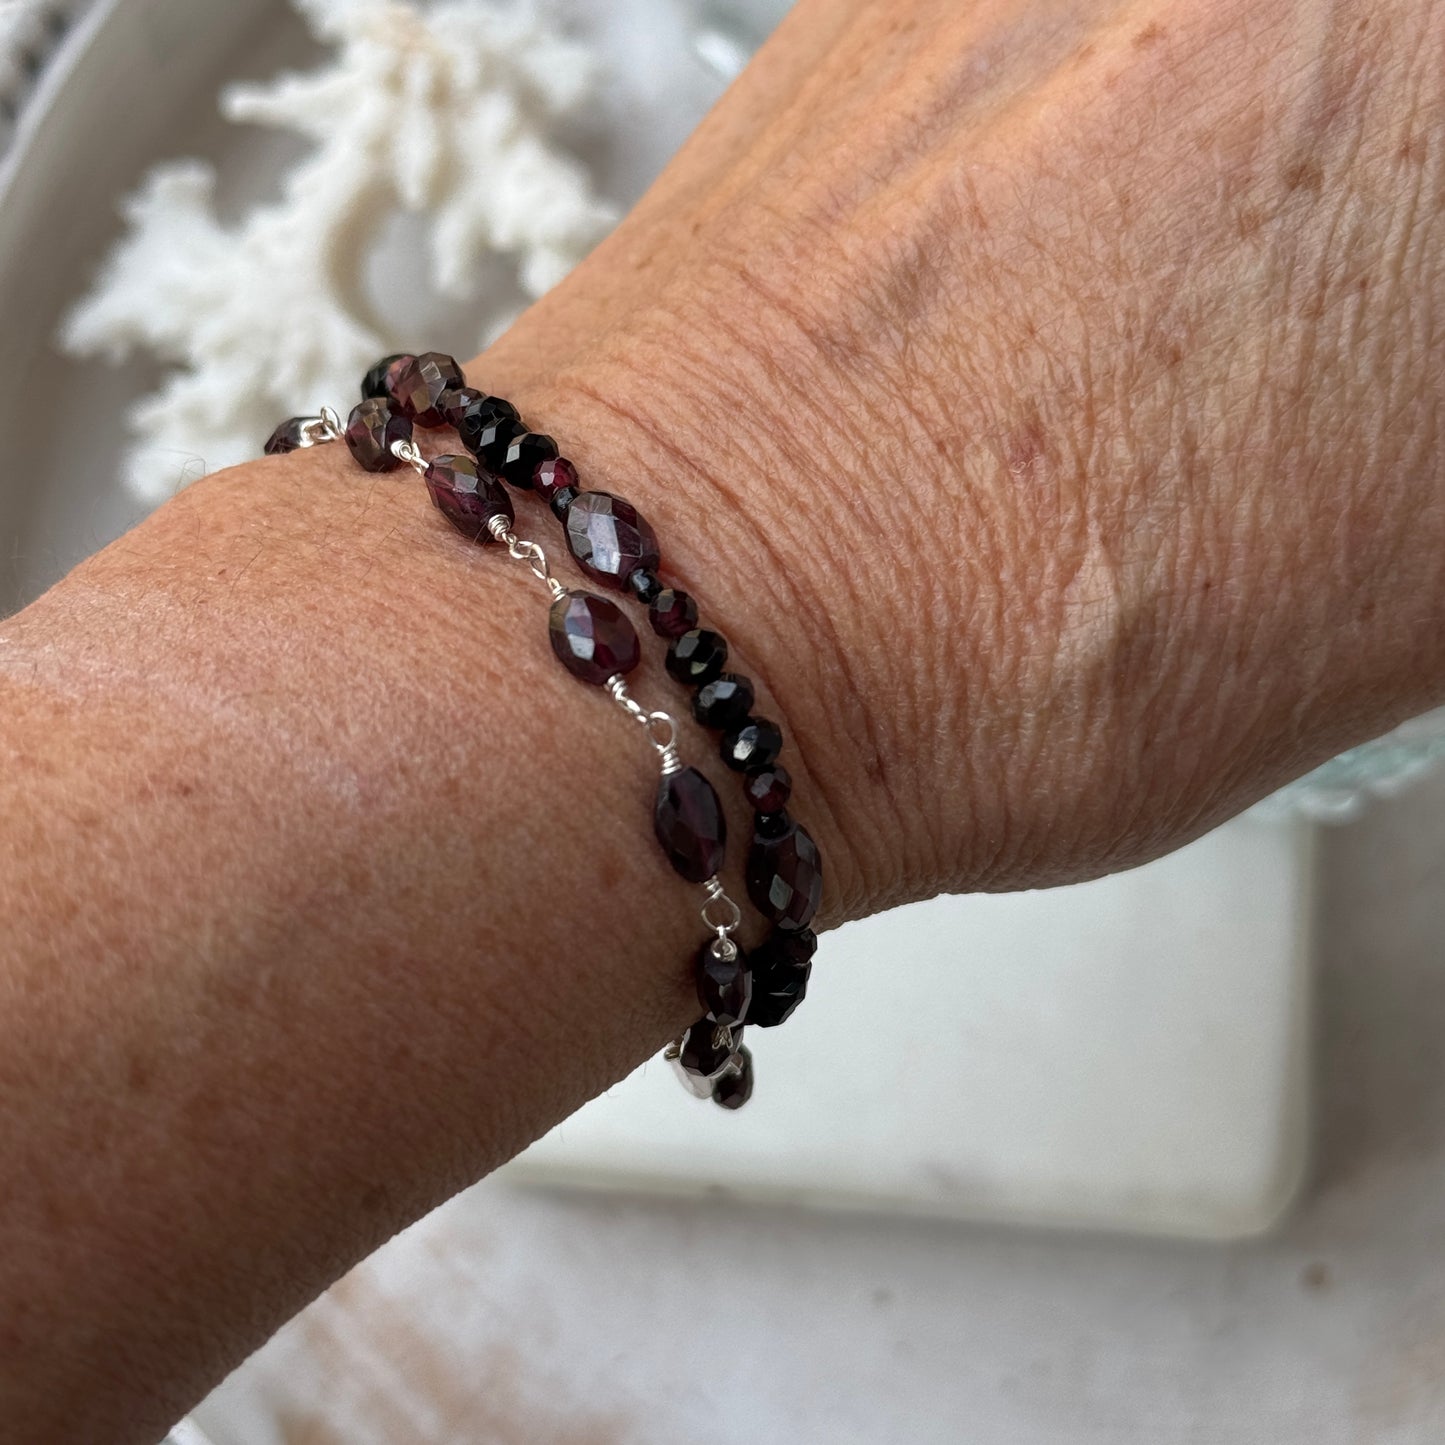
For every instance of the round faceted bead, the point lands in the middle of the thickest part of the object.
(708, 1047)
(690, 824)
(608, 537)
(417, 385)
(467, 497)
(785, 878)
(593, 638)
(724, 985)
(486, 425)
(697, 657)
(724, 702)
(781, 969)
(290, 436)
(768, 788)
(672, 613)
(525, 452)
(644, 584)
(553, 475)
(772, 825)
(371, 430)
(454, 401)
(561, 502)
(756, 743)
(734, 1090)
(377, 381)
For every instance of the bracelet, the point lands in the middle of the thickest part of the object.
(593, 638)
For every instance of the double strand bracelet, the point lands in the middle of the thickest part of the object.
(593, 638)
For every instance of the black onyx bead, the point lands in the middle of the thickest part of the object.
(724, 985)
(371, 430)
(724, 702)
(561, 502)
(644, 585)
(525, 452)
(781, 969)
(697, 657)
(732, 1091)
(290, 436)
(454, 401)
(785, 878)
(672, 613)
(772, 825)
(707, 1047)
(689, 822)
(593, 638)
(609, 539)
(486, 426)
(416, 386)
(377, 381)
(768, 788)
(755, 744)
(466, 497)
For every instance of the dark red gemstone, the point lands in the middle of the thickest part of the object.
(672, 613)
(734, 1090)
(772, 825)
(454, 401)
(609, 538)
(697, 657)
(769, 788)
(525, 453)
(781, 969)
(785, 878)
(690, 823)
(553, 475)
(417, 385)
(467, 497)
(724, 702)
(486, 425)
(644, 584)
(377, 381)
(290, 436)
(724, 985)
(593, 638)
(756, 744)
(372, 430)
(707, 1047)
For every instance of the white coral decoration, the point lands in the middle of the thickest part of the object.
(443, 111)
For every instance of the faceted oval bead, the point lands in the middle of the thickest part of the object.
(697, 657)
(690, 823)
(672, 612)
(370, 432)
(708, 1047)
(724, 702)
(609, 539)
(724, 985)
(454, 401)
(734, 1090)
(377, 381)
(486, 425)
(781, 969)
(756, 744)
(290, 436)
(785, 878)
(553, 475)
(525, 453)
(416, 386)
(769, 788)
(593, 638)
(466, 497)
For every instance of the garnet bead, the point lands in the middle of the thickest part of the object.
(697, 657)
(769, 788)
(672, 613)
(290, 436)
(377, 381)
(524, 453)
(772, 825)
(467, 498)
(724, 702)
(593, 638)
(486, 425)
(734, 1090)
(724, 985)
(781, 969)
(644, 584)
(371, 430)
(608, 537)
(417, 386)
(785, 878)
(454, 401)
(702, 1053)
(690, 823)
(553, 475)
(755, 744)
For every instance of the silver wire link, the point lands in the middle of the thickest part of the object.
(520, 549)
(721, 915)
(660, 728)
(411, 454)
(321, 429)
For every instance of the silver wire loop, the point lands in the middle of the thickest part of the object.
(410, 453)
(521, 549)
(720, 913)
(659, 726)
(321, 429)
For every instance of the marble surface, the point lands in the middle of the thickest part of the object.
(512, 1315)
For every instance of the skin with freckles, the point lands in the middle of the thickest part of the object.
(1045, 402)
